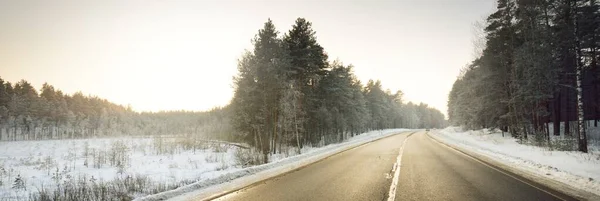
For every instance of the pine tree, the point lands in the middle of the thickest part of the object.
(533, 70)
(262, 74)
(287, 94)
(496, 69)
(290, 119)
(19, 184)
(308, 65)
(534, 64)
(339, 94)
(4, 96)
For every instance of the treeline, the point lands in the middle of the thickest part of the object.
(539, 68)
(26, 114)
(287, 93)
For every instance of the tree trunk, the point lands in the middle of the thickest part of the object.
(580, 116)
(275, 120)
(579, 75)
(567, 127)
(594, 65)
(556, 112)
(548, 134)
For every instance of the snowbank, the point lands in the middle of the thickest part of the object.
(578, 170)
(243, 177)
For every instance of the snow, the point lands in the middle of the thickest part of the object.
(578, 170)
(50, 162)
(237, 179)
(165, 162)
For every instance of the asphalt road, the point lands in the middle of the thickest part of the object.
(428, 171)
(431, 171)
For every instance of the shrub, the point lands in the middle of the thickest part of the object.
(219, 148)
(248, 157)
(119, 155)
(214, 157)
(566, 144)
(89, 189)
(19, 183)
(47, 164)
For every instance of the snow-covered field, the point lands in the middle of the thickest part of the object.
(130, 168)
(576, 169)
(158, 162)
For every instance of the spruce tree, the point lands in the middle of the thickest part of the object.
(308, 64)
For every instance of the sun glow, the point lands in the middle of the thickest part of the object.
(159, 55)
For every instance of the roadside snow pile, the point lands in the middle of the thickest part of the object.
(576, 169)
(247, 176)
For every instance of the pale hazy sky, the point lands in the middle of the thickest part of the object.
(171, 55)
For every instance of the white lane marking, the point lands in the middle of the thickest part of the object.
(477, 160)
(396, 169)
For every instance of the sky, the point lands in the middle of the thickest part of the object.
(181, 55)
